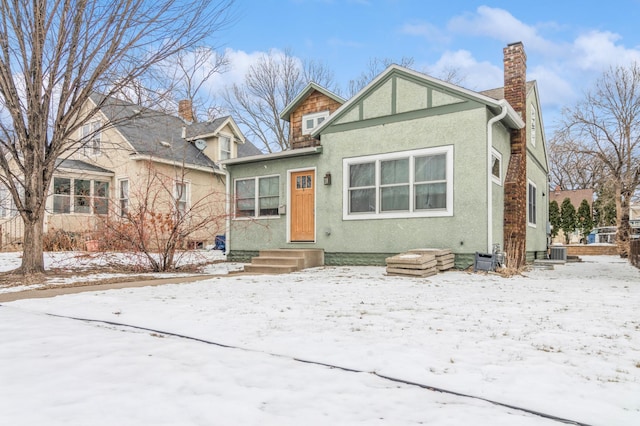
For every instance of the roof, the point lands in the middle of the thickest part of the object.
(574, 195)
(304, 94)
(512, 118)
(157, 134)
(80, 166)
(498, 92)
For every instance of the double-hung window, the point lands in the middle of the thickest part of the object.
(61, 195)
(225, 147)
(181, 194)
(123, 197)
(257, 197)
(81, 196)
(91, 138)
(100, 197)
(414, 183)
(531, 204)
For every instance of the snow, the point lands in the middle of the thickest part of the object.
(565, 342)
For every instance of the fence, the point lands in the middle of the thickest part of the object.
(634, 253)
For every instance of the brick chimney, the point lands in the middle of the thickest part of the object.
(515, 187)
(185, 110)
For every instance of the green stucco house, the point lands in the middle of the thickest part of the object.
(409, 162)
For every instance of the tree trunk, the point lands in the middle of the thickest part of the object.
(623, 229)
(32, 255)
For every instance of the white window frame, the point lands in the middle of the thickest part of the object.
(377, 159)
(496, 155)
(316, 117)
(182, 199)
(123, 198)
(534, 123)
(256, 198)
(532, 207)
(223, 153)
(92, 139)
(7, 204)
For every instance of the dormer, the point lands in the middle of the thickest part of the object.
(217, 139)
(307, 111)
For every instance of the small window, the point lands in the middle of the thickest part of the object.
(91, 138)
(225, 147)
(263, 192)
(533, 125)
(7, 205)
(123, 197)
(181, 197)
(311, 121)
(61, 195)
(531, 204)
(100, 197)
(496, 167)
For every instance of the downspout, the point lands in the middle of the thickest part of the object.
(490, 123)
(227, 210)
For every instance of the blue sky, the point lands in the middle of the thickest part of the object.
(568, 43)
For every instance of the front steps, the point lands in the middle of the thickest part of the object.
(284, 261)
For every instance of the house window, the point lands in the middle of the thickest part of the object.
(100, 197)
(225, 147)
(181, 194)
(81, 196)
(123, 196)
(263, 192)
(406, 184)
(91, 135)
(7, 205)
(496, 166)
(533, 125)
(61, 195)
(311, 121)
(531, 204)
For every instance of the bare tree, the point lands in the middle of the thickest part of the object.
(53, 56)
(269, 86)
(570, 166)
(161, 219)
(375, 67)
(606, 126)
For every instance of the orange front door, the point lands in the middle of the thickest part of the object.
(303, 206)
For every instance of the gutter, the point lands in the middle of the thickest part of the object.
(227, 210)
(503, 113)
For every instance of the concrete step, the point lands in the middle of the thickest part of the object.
(276, 260)
(270, 269)
(312, 257)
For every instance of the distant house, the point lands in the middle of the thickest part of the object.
(408, 162)
(123, 145)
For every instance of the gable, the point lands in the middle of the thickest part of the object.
(401, 97)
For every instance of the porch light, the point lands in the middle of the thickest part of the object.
(327, 178)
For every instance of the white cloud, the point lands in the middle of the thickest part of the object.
(597, 50)
(475, 75)
(501, 25)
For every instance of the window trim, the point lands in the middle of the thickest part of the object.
(220, 150)
(496, 179)
(187, 196)
(121, 211)
(89, 146)
(530, 185)
(315, 116)
(448, 150)
(256, 198)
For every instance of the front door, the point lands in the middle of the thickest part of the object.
(303, 205)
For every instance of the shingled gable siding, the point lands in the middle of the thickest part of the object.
(315, 102)
(515, 186)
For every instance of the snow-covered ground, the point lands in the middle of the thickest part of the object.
(564, 342)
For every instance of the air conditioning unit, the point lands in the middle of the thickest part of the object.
(558, 253)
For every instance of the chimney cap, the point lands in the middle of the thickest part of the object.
(515, 43)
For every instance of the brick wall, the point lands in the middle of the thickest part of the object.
(515, 186)
(315, 102)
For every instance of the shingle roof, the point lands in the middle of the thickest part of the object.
(158, 134)
(80, 165)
